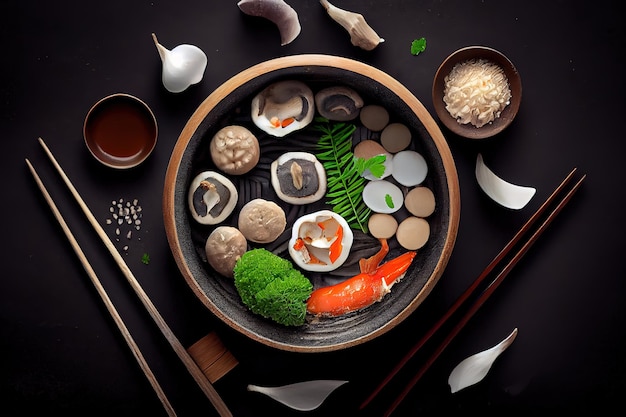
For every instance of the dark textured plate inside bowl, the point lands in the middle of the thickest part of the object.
(468, 130)
(230, 104)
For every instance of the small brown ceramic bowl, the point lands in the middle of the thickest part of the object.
(230, 104)
(120, 131)
(506, 116)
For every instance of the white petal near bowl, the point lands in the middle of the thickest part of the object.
(502, 192)
(230, 104)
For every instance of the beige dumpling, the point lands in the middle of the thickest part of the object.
(224, 247)
(262, 221)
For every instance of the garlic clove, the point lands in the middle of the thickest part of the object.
(474, 368)
(301, 396)
(183, 66)
(276, 11)
(361, 34)
(504, 193)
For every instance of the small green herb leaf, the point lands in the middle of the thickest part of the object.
(145, 258)
(418, 45)
(375, 165)
(389, 201)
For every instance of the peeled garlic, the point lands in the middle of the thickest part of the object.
(474, 368)
(276, 11)
(182, 66)
(361, 34)
(504, 193)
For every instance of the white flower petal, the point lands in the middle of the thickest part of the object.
(504, 193)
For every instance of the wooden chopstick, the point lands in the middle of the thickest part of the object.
(472, 288)
(197, 374)
(103, 294)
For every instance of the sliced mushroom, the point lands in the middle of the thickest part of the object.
(212, 197)
(298, 178)
(339, 103)
(283, 107)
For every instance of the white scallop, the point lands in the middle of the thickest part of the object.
(409, 168)
(378, 195)
(502, 192)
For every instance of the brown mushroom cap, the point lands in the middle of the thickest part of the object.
(235, 150)
(262, 221)
(224, 247)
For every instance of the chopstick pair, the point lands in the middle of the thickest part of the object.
(480, 300)
(197, 374)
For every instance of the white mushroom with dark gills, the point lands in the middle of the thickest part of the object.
(212, 197)
(340, 103)
(298, 178)
(283, 107)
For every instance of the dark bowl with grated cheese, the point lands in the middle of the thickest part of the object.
(477, 92)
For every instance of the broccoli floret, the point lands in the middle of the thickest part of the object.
(271, 287)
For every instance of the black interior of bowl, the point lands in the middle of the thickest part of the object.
(219, 292)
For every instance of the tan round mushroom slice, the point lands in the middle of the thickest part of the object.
(223, 248)
(298, 178)
(283, 107)
(374, 117)
(413, 233)
(235, 150)
(420, 201)
(212, 197)
(382, 226)
(339, 103)
(395, 137)
(262, 221)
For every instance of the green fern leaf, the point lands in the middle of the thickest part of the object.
(344, 181)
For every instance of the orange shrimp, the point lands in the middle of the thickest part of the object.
(361, 290)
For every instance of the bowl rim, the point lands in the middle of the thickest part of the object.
(130, 162)
(304, 60)
(508, 114)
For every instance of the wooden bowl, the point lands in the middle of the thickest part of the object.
(508, 114)
(230, 104)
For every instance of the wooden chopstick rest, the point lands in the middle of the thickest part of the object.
(212, 357)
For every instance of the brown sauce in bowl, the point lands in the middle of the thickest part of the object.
(120, 131)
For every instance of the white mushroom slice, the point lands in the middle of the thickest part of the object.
(298, 178)
(320, 241)
(283, 107)
(383, 196)
(410, 168)
(212, 197)
(339, 103)
(502, 192)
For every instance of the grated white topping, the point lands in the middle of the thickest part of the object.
(476, 92)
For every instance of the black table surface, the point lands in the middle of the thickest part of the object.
(60, 350)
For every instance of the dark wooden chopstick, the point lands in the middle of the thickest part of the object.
(130, 341)
(472, 288)
(193, 368)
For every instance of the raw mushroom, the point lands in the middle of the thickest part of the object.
(361, 34)
(283, 107)
(212, 197)
(338, 103)
(235, 150)
(223, 248)
(262, 221)
(374, 117)
(298, 178)
(276, 11)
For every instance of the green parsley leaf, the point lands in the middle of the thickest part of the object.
(389, 201)
(418, 45)
(375, 165)
(145, 258)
